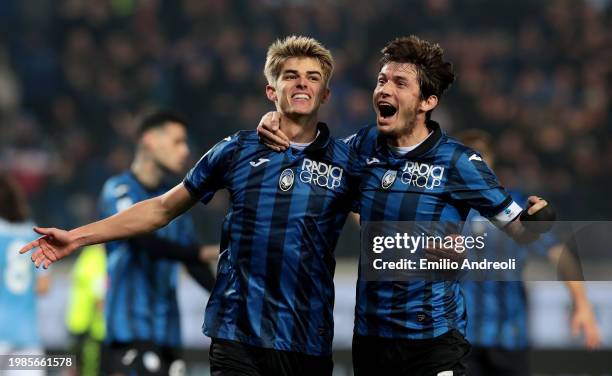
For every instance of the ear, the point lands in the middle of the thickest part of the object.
(429, 104)
(147, 139)
(326, 95)
(271, 93)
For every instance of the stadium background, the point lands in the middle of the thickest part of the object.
(74, 75)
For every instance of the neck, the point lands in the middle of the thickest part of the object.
(147, 171)
(414, 136)
(301, 129)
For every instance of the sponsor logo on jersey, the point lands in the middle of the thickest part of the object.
(321, 174)
(422, 175)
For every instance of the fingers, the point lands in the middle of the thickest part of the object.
(38, 258)
(43, 230)
(536, 204)
(274, 139)
(592, 339)
(270, 121)
(31, 245)
(274, 121)
(35, 255)
(48, 251)
(274, 147)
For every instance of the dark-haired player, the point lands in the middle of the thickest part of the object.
(412, 171)
(141, 309)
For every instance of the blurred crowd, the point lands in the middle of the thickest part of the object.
(75, 75)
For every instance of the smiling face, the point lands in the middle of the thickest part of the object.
(300, 87)
(397, 100)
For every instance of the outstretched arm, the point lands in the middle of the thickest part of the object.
(141, 218)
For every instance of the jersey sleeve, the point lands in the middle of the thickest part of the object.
(356, 143)
(356, 140)
(472, 183)
(210, 173)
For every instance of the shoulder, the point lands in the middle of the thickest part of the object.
(117, 185)
(458, 152)
(366, 132)
(118, 188)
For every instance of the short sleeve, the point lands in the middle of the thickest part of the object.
(473, 183)
(209, 174)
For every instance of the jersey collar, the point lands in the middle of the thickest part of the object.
(321, 141)
(430, 142)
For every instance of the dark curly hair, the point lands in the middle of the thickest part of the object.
(433, 73)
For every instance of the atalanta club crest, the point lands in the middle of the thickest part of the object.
(285, 182)
(388, 179)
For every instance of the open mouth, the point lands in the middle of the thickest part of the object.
(386, 110)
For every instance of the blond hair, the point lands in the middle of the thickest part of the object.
(297, 46)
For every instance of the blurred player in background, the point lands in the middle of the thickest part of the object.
(20, 283)
(142, 317)
(85, 313)
(271, 311)
(497, 310)
(412, 171)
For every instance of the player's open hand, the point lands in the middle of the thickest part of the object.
(583, 321)
(53, 245)
(270, 134)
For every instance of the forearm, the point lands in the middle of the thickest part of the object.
(141, 218)
(577, 294)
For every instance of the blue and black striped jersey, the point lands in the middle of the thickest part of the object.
(274, 284)
(439, 181)
(141, 302)
(497, 310)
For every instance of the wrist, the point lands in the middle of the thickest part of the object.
(581, 304)
(76, 239)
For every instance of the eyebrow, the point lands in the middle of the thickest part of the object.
(307, 72)
(393, 76)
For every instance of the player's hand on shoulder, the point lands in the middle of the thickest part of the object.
(270, 134)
